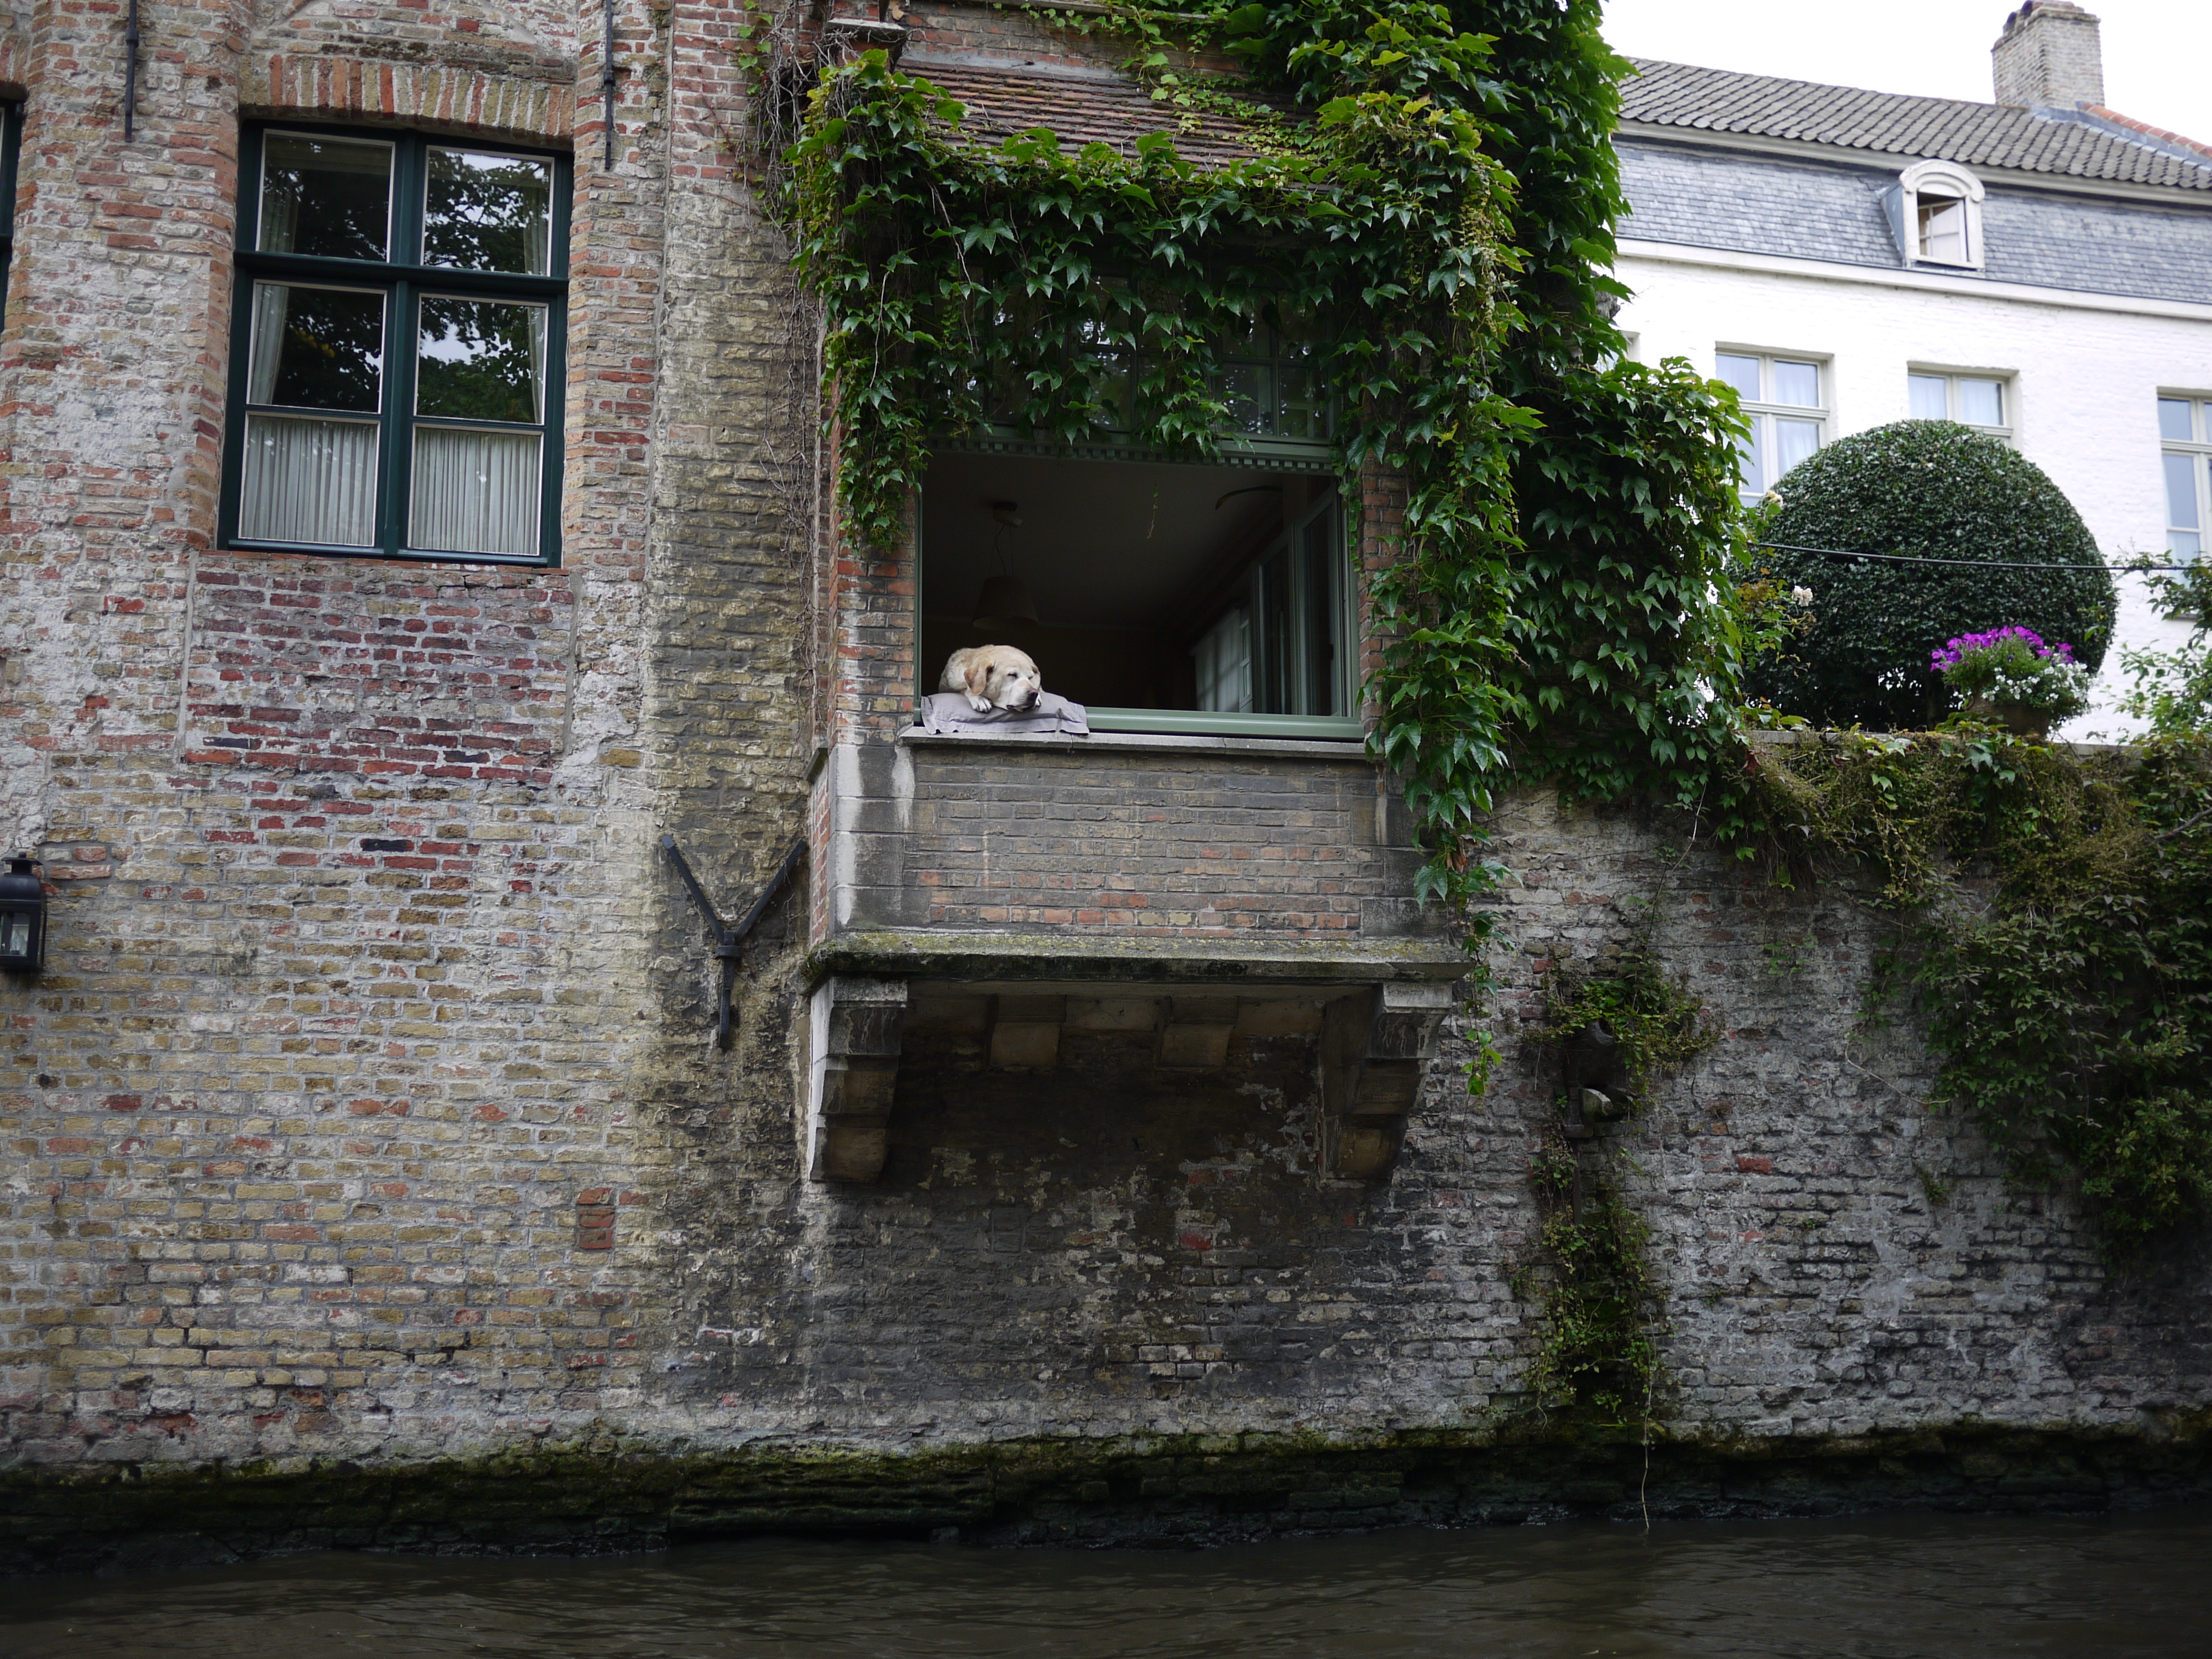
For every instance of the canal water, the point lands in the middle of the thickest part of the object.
(1886, 1588)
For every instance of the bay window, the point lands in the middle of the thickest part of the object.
(396, 358)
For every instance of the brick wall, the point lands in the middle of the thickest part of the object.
(1104, 843)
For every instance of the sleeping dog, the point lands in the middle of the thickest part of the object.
(993, 676)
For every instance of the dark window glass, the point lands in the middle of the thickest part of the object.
(326, 196)
(317, 347)
(480, 359)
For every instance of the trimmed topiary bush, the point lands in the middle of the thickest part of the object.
(1940, 491)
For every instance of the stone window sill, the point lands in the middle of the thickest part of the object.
(1336, 749)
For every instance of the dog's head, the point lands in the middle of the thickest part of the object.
(1004, 678)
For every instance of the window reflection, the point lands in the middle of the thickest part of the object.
(483, 212)
(317, 347)
(326, 196)
(480, 359)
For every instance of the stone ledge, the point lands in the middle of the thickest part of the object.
(1124, 961)
(1181, 743)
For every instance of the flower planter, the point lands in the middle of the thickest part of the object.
(2021, 718)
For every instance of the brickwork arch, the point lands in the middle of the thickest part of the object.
(416, 94)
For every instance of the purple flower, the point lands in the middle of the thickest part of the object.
(1951, 652)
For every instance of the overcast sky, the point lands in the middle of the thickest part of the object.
(2157, 53)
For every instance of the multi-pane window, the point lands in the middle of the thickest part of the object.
(1784, 397)
(1268, 378)
(1276, 649)
(1975, 400)
(396, 374)
(2185, 431)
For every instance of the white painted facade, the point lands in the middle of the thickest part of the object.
(2084, 372)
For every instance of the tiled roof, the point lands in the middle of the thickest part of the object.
(1080, 106)
(1976, 135)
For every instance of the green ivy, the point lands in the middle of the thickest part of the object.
(1431, 198)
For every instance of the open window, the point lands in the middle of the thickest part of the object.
(1936, 213)
(1163, 596)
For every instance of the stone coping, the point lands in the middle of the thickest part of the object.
(1327, 749)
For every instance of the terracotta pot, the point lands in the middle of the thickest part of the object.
(2021, 718)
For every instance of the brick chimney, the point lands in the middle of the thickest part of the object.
(2049, 56)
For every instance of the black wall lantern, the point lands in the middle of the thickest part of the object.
(22, 919)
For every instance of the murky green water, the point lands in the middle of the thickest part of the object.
(1888, 1587)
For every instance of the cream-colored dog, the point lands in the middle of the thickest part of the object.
(993, 676)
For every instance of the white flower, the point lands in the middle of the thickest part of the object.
(1800, 596)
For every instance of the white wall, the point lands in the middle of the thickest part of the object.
(2085, 377)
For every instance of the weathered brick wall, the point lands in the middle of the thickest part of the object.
(347, 1013)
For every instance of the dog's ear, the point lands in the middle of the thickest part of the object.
(979, 669)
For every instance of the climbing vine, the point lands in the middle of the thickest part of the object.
(1598, 1351)
(1430, 203)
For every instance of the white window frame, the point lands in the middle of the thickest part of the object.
(2007, 395)
(1935, 181)
(1763, 410)
(2198, 447)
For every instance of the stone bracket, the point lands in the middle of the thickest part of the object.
(856, 1028)
(1375, 1045)
(1025, 1032)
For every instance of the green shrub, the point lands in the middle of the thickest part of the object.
(1940, 491)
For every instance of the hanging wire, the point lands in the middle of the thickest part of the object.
(1974, 564)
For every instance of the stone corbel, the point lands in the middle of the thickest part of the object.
(1375, 1047)
(855, 1027)
(1025, 1032)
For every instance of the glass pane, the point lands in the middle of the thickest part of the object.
(1319, 575)
(475, 492)
(1793, 442)
(1798, 383)
(1304, 405)
(1243, 388)
(1751, 451)
(1223, 660)
(487, 212)
(1981, 403)
(2181, 492)
(2174, 418)
(308, 481)
(1742, 374)
(2184, 544)
(1943, 230)
(330, 197)
(480, 359)
(1930, 398)
(317, 347)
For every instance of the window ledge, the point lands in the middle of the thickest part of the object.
(1337, 749)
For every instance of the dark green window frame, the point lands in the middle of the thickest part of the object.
(404, 281)
(11, 153)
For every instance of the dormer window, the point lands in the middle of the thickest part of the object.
(1936, 211)
(1943, 229)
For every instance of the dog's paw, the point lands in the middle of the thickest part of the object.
(981, 705)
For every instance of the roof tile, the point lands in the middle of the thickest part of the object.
(2090, 146)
